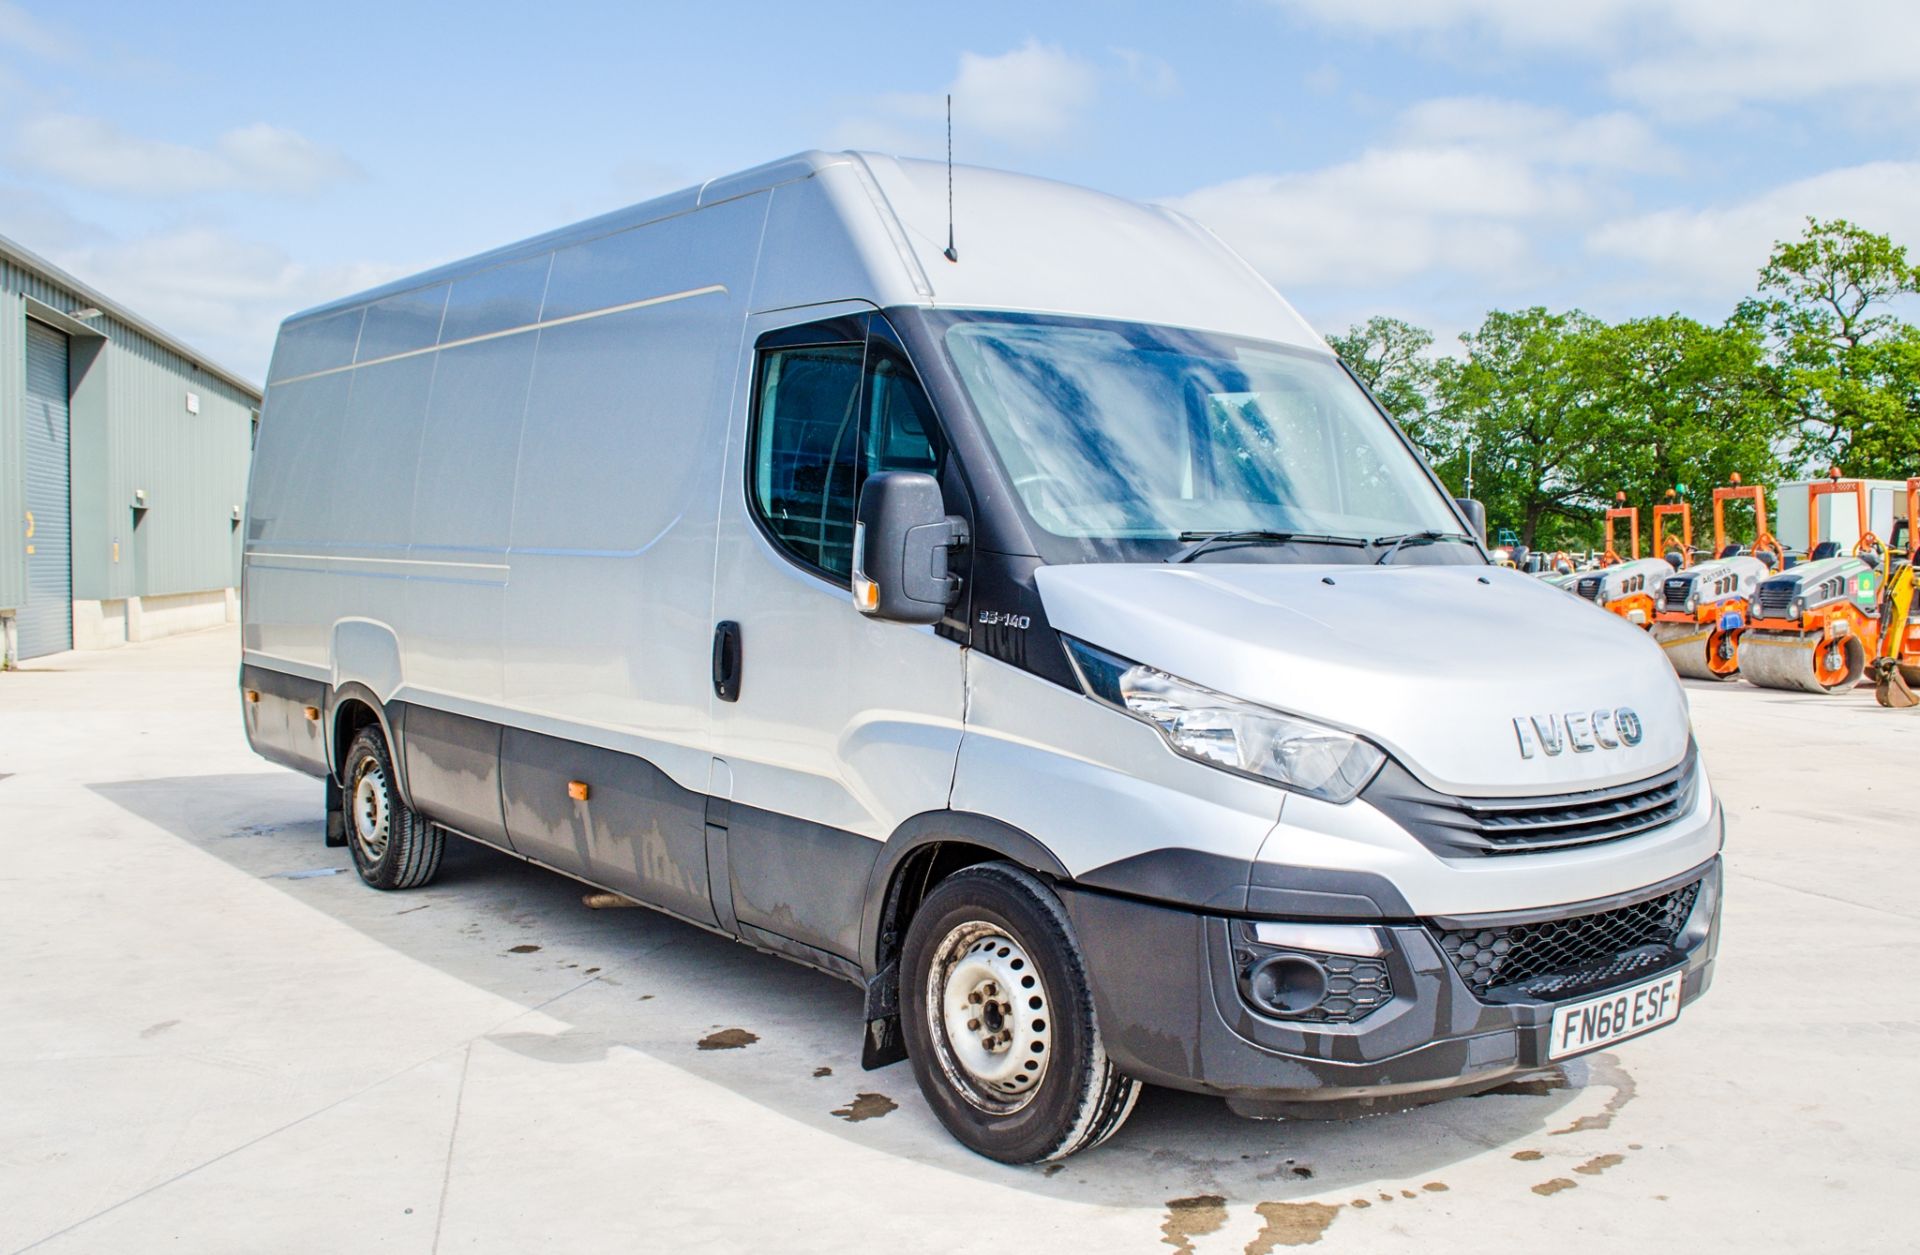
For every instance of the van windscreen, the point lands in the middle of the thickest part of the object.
(1128, 432)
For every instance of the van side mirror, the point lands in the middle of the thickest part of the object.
(902, 537)
(1476, 516)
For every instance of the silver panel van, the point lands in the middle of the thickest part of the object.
(1047, 634)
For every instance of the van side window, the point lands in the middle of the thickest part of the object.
(818, 435)
(807, 450)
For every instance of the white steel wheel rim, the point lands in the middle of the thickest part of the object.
(991, 1018)
(372, 817)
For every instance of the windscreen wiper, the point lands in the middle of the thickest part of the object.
(1393, 543)
(1203, 541)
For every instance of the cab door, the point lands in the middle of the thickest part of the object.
(830, 728)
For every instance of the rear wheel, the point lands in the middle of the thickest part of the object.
(999, 1020)
(393, 845)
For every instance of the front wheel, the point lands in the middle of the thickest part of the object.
(999, 1020)
(393, 845)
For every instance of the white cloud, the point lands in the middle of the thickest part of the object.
(1608, 141)
(93, 153)
(1460, 189)
(20, 29)
(1716, 252)
(1032, 97)
(1149, 73)
(1697, 56)
(223, 294)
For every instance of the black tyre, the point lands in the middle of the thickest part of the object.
(999, 1020)
(394, 846)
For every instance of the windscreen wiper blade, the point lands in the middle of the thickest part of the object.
(1203, 541)
(1394, 543)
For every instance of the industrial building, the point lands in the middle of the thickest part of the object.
(123, 469)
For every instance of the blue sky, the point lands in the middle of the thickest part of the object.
(217, 166)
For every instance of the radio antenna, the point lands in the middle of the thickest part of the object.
(951, 255)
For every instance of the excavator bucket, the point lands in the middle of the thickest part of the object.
(1890, 687)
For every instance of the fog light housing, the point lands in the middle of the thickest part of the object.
(1287, 984)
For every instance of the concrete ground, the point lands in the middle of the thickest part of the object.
(213, 1037)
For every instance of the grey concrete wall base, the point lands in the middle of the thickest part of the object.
(115, 621)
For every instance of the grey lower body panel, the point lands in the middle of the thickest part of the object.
(1171, 1013)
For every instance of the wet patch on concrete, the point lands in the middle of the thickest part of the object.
(1554, 1186)
(1291, 1224)
(1435, 1187)
(527, 948)
(728, 1039)
(1599, 1164)
(866, 1107)
(1529, 1156)
(154, 1030)
(1607, 1071)
(1190, 1218)
(1053, 1169)
(819, 1072)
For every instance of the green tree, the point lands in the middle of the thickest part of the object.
(1691, 405)
(1845, 361)
(1526, 404)
(1394, 358)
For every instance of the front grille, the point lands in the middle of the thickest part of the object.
(1775, 598)
(1562, 957)
(1673, 593)
(1590, 586)
(1456, 827)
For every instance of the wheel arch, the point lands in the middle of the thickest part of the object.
(351, 707)
(924, 850)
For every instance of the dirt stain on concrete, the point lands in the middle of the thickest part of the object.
(1599, 1164)
(1529, 1156)
(154, 1030)
(866, 1107)
(1435, 1187)
(818, 1072)
(1537, 1086)
(1190, 1218)
(525, 948)
(1607, 1071)
(1291, 1224)
(1554, 1186)
(728, 1039)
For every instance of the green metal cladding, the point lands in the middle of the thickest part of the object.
(132, 432)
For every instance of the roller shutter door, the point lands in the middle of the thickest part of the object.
(46, 621)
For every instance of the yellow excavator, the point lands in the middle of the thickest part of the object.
(1896, 664)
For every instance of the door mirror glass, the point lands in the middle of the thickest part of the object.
(1476, 517)
(903, 537)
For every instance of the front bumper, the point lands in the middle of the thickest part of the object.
(1171, 1012)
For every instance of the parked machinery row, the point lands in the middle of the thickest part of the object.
(1816, 620)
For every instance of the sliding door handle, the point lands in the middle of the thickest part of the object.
(726, 661)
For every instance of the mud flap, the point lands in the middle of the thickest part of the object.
(336, 814)
(884, 1042)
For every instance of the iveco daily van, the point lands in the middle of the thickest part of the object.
(1047, 634)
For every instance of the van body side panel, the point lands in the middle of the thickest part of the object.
(636, 831)
(277, 725)
(462, 497)
(287, 615)
(799, 880)
(453, 771)
(1100, 788)
(611, 539)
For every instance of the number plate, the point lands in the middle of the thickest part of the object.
(1596, 1022)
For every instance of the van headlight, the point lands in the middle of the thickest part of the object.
(1228, 733)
